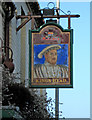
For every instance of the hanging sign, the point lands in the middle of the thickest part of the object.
(51, 57)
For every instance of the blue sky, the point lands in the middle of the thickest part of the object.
(76, 101)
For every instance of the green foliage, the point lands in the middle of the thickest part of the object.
(30, 104)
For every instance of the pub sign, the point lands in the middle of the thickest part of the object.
(51, 57)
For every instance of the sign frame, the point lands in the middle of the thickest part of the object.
(70, 85)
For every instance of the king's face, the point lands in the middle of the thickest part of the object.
(51, 56)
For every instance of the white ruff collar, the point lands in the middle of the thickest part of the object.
(46, 63)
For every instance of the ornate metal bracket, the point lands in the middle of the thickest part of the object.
(29, 17)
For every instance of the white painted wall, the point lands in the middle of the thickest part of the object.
(16, 40)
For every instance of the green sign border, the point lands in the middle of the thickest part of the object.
(71, 57)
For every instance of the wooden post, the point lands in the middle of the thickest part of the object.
(69, 23)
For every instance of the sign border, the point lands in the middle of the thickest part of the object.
(71, 57)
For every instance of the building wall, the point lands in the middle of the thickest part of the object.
(1, 41)
(20, 45)
(15, 42)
